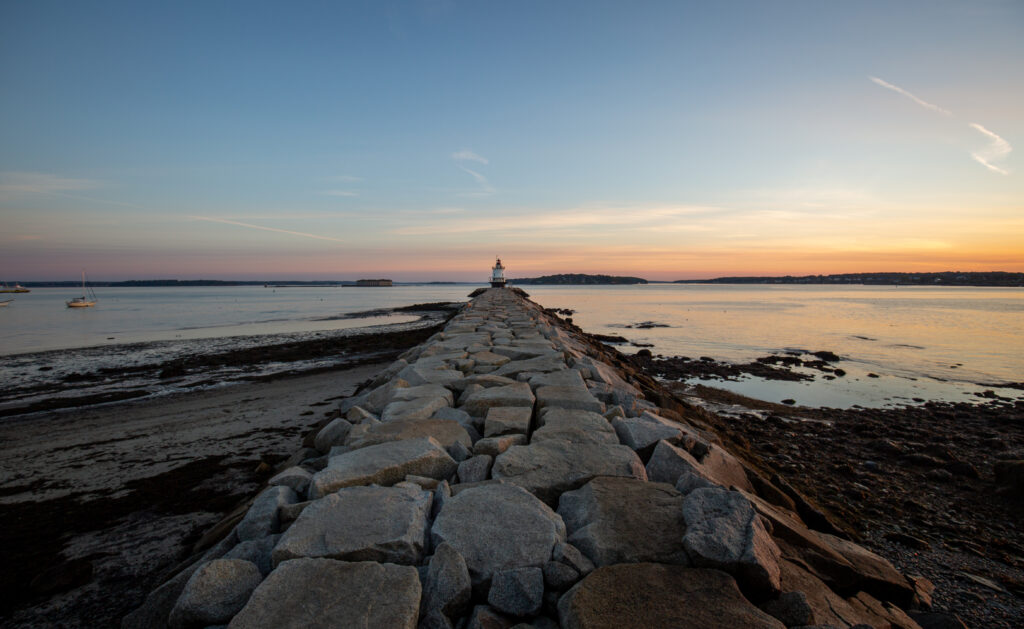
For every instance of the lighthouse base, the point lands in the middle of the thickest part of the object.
(500, 284)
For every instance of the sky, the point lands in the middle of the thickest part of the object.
(418, 140)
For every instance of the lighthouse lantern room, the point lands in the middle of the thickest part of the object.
(498, 275)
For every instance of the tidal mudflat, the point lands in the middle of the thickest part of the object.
(99, 502)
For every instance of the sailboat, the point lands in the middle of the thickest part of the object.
(87, 300)
(5, 303)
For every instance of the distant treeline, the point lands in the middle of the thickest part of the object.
(578, 278)
(150, 283)
(945, 278)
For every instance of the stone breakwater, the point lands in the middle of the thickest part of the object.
(507, 473)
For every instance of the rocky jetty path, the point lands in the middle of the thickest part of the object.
(507, 473)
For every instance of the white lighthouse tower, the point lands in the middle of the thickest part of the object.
(498, 275)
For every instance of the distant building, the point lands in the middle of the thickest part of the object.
(373, 283)
(498, 275)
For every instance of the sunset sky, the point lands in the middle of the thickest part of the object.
(417, 140)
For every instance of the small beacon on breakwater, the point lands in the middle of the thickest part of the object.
(497, 274)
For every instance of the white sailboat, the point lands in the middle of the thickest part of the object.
(87, 300)
(5, 303)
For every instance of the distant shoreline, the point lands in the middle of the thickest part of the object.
(943, 278)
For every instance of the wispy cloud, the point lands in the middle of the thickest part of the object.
(485, 186)
(341, 193)
(900, 90)
(467, 155)
(264, 228)
(346, 178)
(997, 149)
(631, 219)
(14, 182)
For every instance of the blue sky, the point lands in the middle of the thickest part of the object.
(418, 139)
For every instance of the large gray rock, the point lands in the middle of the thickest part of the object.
(468, 392)
(518, 394)
(505, 420)
(489, 358)
(445, 432)
(522, 351)
(494, 446)
(688, 481)
(486, 381)
(496, 527)
(383, 464)
(389, 372)
(416, 408)
(263, 517)
(549, 468)
(559, 576)
(257, 551)
(417, 374)
(658, 595)
(567, 378)
(517, 592)
(571, 556)
(568, 397)
(806, 547)
(385, 524)
(668, 463)
(475, 469)
(643, 433)
(554, 361)
(724, 531)
(375, 399)
(577, 426)
(447, 587)
(422, 391)
(215, 593)
(330, 594)
(295, 477)
(358, 415)
(624, 520)
(606, 374)
(458, 415)
(459, 451)
(333, 434)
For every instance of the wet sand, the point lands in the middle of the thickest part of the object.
(99, 503)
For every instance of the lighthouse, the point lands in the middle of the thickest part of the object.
(498, 275)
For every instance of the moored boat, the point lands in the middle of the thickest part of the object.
(87, 300)
(18, 288)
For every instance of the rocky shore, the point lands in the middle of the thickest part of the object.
(936, 489)
(510, 471)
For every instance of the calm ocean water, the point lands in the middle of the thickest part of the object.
(923, 342)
